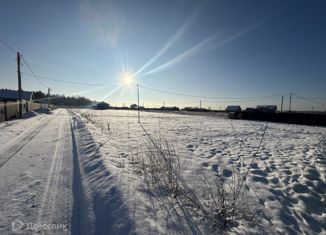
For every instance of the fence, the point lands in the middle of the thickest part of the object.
(288, 117)
(10, 109)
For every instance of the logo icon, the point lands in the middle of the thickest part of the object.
(17, 226)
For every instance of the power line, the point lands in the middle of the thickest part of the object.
(314, 98)
(69, 82)
(29, 68)
(9, 47)
(211, 97)
(225, 99)
(34, 75)
(39, 78)
(242, 100)
(309, 99)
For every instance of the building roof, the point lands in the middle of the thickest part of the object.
(233, 108)
(13, 94)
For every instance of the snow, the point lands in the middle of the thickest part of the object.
(77, 168)
(35, 175)
(287, 179)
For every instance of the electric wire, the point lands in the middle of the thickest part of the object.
(221, 99)
(9, 47)
(70, 82)
(309, 99)
(212, 97)
(34, 75)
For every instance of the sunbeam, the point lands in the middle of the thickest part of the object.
(120, 94)
(195, 49)
(239, 34)
(201, 46)
(179, 33)
(87, 91)
(111, 92)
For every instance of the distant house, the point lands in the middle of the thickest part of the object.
(233, 109)
(9, 107)
(266, 108)
(7, 95)
(102, 106)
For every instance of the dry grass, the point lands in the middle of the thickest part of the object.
(217, 201)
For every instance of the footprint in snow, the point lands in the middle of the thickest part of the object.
(254, 166)
(189, 146)
(259, 172)
(312, 174)
(215, 168)
(313, 224)
(300, 188)
(205, 164)
(227, 172)
(274, 180)
(260, 179)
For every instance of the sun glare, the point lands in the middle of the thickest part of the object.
(127, 79)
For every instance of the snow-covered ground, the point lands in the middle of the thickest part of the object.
(76, 170)
(35, 174)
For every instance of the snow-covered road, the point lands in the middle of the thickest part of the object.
(35, 175)
(53, 180)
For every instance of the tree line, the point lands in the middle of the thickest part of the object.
(61, 100)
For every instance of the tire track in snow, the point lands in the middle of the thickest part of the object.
(13, 150)
(57, 180)
(46, 213)
(23, 133)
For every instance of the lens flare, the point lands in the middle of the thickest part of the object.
(127, 79)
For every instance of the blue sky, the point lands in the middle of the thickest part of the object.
(226, 49)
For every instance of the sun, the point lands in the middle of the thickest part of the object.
(127, 79)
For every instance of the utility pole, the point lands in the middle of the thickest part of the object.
(164, 104)
(200, 104)
(282, 104)
(19, 87)
(138, 103)
(290, 102)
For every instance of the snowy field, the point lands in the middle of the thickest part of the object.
(286, 183)
(80, 170)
